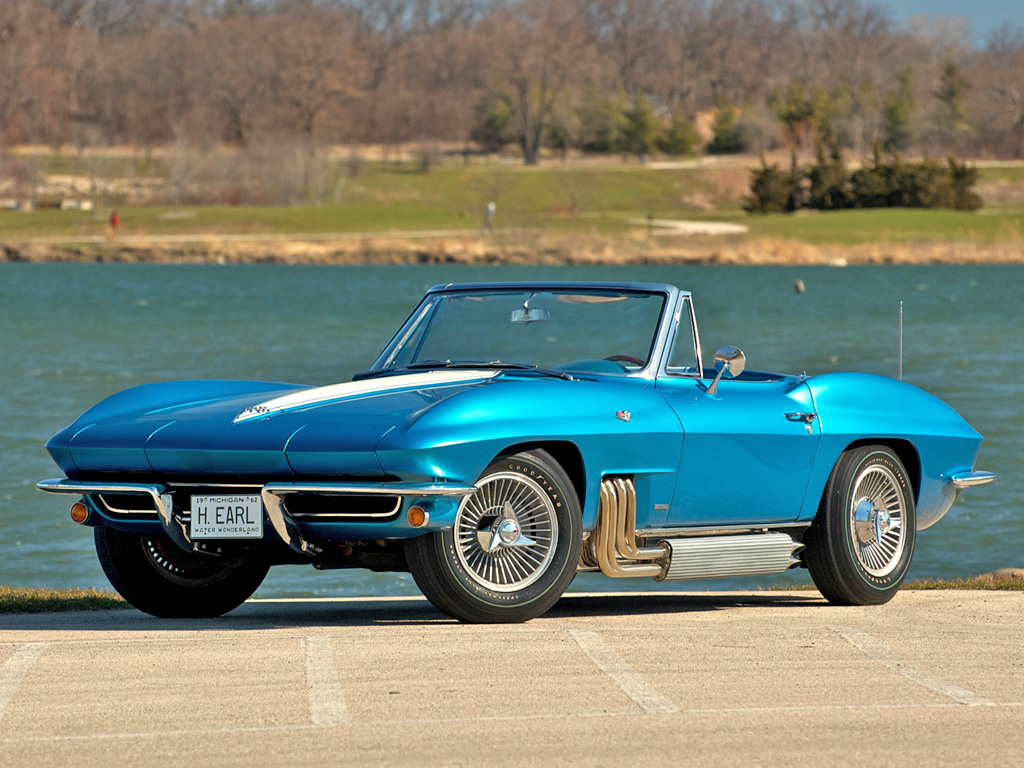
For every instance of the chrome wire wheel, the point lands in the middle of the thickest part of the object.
(514, 545)
(859, 547)
(877, 511)
(506, 532)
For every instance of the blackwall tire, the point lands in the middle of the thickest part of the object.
(159, 578)
(861, 543)
(514, 547)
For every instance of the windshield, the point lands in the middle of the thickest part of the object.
(597, 331)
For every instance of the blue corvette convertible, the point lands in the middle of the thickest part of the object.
(509, 436)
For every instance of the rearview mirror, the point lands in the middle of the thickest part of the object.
(530, 315)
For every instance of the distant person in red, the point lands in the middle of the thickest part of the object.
(115, 222)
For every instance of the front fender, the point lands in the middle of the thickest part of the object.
(456, 439)
(858, 408)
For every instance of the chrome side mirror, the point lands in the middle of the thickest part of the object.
(729, 361)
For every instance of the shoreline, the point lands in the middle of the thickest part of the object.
(505, 248)
(47, 600)
(25, 600)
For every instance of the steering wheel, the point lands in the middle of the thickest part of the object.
(626, 359)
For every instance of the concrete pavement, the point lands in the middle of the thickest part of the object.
(768, 678)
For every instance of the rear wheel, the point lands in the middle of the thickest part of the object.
(158, 577)
(861, 542)
(514, 546)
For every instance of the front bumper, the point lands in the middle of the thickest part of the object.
(439, 499)
(961, 480)
(933, 508)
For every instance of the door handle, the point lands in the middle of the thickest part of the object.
(806, 418)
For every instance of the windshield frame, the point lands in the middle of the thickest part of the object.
(666, 323)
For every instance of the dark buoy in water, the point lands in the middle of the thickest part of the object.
(798, 285)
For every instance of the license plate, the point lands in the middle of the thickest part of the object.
(227, 517)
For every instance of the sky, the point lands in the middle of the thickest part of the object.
(983, 15)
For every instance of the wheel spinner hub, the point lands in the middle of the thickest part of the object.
(508, 531)
(871, 522)
(505, 531)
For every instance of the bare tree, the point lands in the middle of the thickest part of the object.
(999, 88)
(315, 60)
(26, 32)
(238, 66)
(724, 51)
(385, 29)
(538, 50)
(441, 72)
(631, 32)
(148, 72)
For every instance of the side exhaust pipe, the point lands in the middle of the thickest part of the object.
(613, 547)
(614, 539)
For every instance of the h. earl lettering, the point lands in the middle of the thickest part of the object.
(227, 515)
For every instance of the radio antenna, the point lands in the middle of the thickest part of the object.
(900, 368)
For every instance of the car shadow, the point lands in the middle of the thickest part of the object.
(395, 611)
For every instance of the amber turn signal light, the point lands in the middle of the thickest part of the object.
(418, 516)
(79, 512)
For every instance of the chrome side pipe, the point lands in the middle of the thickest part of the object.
(612, 546)
(614, 539)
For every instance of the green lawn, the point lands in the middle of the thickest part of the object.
(1013, 173)
(552, 198)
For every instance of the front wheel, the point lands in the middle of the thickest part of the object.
(861, 542)
(158, 577)
(513, 549)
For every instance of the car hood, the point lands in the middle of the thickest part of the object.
(237, 429)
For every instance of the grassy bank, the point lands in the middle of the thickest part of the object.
(1007, 579)
(597, 200)
(31, 600)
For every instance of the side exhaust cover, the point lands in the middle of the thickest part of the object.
(710, 557)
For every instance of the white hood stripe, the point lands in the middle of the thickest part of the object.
(350, 390)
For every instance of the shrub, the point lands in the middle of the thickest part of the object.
(773, 190)
(888, 183)
(830, 188)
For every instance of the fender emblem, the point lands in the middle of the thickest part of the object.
(251, 411)
(624, 415)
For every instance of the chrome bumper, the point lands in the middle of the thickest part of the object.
(273, 502)
(938, 503)
(962, 480)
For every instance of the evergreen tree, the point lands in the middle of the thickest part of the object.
(492, 127)
(899, 112)
(604, 121)
(679, 138)
(809, 114)
(642, 128)
(725, 131)
(953, 117)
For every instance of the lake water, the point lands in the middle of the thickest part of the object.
(71, 334)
